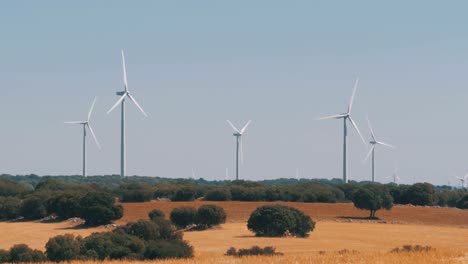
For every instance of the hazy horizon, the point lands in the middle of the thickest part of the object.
(191, 66)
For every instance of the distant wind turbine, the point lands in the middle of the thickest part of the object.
(395, 177)
(374, 142)
(123, 95)
(347, 117)
(462, 179)
(86, 126)
(238, 134)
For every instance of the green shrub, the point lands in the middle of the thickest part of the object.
(64, 248)
(185, 194)
(23, 253)
(253, 251)
(146, 230)
(278, 220)
(411, 248)
(210, 215)
(4, 256)
(183, 216)
(219, 194)
(166, 230)
(162, 249)
(156, 213)
(97, 208)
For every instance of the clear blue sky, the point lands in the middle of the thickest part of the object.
(194, 64)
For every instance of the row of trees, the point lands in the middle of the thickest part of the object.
(95, 205)
(205, 217)
(141, 240)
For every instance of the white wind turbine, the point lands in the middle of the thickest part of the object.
(462, 179)
(238, 134)
(123, 95)
(347, 117)
(395, 177)
(374, 142)
(86, 126)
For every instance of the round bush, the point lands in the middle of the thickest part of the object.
(23, 253)
(4, 256)
(162, 249)
(183, 216)
(211, 215)
(156, 213)
(279, 220)
(63, 248)
(185, 194)
(146, 230)
(221, 194)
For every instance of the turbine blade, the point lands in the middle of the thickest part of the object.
(117, 103)
(352, 96)
(124, 72)
(370, 127)
(245, 127)
(74, 122)
(233, 127)
(136, 103)
(368, 154)
(332, 117)
(357, 129)
(91, 109)
(94, 135)
(385, 144)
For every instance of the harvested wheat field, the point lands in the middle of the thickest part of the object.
(433, 257)
(36, 234)
(240, 212)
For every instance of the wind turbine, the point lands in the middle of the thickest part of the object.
(123, 95)
(462, 180)
(226, 176)
(395, 177)
(374, 142)
(238, 134)
(347, 117)
(86, 126)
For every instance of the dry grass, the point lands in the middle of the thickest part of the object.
(445, 230)
(437, 256)
(333, 236)
(240, 212)
(37, 234)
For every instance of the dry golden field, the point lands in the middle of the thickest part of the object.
(240, 212)
(446, 230)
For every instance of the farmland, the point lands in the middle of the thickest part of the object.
(339, 227)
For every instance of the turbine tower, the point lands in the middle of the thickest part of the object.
(86, 126)
(123, 95)
(347, 117)
(463, 180)
(238, 134)
(374, 142)
(395, 178)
